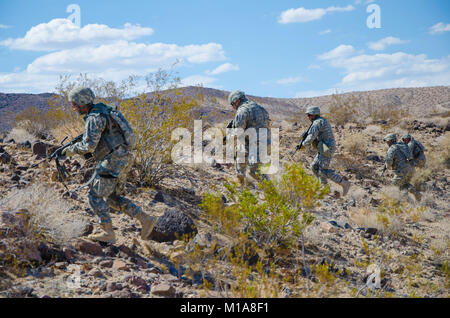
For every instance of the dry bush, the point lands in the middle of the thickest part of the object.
(355, 144)
(343, 109)
(372, 130)
(154, 117)
(390, 216)
(20, 135)
(49, 213)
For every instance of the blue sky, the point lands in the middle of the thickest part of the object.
(266, 48)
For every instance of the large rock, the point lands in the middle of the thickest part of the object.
(172, 226)
(40, 149)
(164, 290)
(5, 157)
(17, 237)
(91, 248)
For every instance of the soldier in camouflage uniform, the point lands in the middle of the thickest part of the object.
(106, 140)
(321, 136)
(417, 151)
(397, 159)
(248, 115)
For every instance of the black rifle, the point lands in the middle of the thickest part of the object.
(230, 125)
(304, 135)
(384, 170)
(57, 155)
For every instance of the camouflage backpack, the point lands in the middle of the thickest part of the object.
(111, 113)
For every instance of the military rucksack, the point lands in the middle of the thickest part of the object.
(111, 113)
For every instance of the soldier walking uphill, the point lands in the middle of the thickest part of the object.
(248, 115)
(321, 136)
(108, 136)
(417, 151)
(397, 159)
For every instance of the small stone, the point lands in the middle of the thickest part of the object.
(137, 281)
(327, 227)
(106, 263)
(159, 197)
(121, 294)
(120, 265)
(25, 144)
(60, 265)
(95, 272)
(163, 289)
(89, 248)
(113, 286)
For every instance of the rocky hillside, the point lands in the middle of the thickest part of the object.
(419, 102)
(349, 239)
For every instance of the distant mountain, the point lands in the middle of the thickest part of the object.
(419, 101)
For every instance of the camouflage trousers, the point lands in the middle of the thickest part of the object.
(105, 191)
(250, 164)
(320, 167)
(402, 178)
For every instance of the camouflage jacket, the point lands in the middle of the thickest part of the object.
(320, 131)
(101, 136)
(417, 149)
(398, 156)
(251, 115)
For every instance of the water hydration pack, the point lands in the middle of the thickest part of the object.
(115, 119)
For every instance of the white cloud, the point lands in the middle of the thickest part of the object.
(114, 58)
(284, 81)
(383, 43)
(305, 15)
(289, 80)
(440, 28)
(367, 72)
(122, 55)
(59, 34)
(227, 67)
(196, 80)
(2, 26)
(340, 52)
(325, 32)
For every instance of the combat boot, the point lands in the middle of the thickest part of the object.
(147, 223)
(107, 235)
(345, 187)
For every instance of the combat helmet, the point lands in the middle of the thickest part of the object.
(406, 136)
(390, 137)
(81, 96)
(234, 96)
(313, 110)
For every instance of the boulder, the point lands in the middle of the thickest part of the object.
(91, 248)
(5, 157)
(40, 149)
(173, 225)
(164, 290)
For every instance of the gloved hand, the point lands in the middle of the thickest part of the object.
(67, 152)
